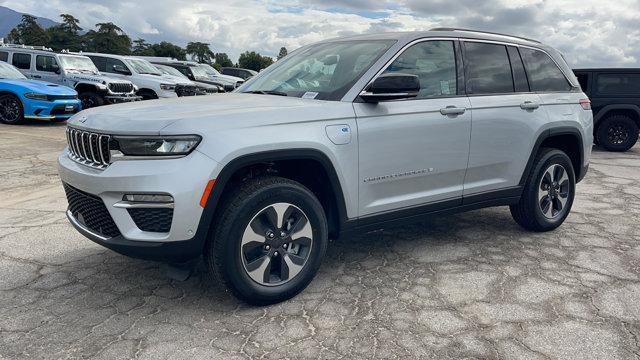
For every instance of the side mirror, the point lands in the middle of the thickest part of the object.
(121, 70)
(55, 68)
(392, 86)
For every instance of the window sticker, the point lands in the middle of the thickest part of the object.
(310, 95)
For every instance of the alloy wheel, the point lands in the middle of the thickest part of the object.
(276, 244)
(9, 109)
(618, 134)
(553, 191)
(87, 102)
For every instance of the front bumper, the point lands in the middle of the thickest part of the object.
(184, 179)
(50, 110)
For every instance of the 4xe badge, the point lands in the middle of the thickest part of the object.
(82, 119)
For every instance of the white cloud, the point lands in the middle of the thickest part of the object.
(589, 32)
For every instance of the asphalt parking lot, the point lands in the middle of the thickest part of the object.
(472, 285)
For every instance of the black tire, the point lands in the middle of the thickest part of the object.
(225, 255)
(617, 133)
(147, 95)
(11, 110)
(90, 100)
(528, 213)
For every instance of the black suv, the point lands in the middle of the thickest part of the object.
(615, 100)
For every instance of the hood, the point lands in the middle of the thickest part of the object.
(41, 87)
(160, 79)
(195, 114)
(102, 79)
(227, 79)
(177, 79)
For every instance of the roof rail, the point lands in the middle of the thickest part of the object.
(28, 47)
(484, 32)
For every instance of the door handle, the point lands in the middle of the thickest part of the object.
(529, 105)
(452, 110)
(36, 76)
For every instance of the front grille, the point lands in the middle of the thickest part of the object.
(62, 97)
(62, 110)
(152, 220)
(186, 90)
(90, 211)
(89, 148)
(121, 87)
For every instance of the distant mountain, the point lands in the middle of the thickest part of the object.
(10, 18)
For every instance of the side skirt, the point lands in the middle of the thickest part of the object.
(377, 222)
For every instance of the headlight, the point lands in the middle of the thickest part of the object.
(168, 86)
(36, 96)
(156, 145)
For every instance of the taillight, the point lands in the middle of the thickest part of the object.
(586, 104)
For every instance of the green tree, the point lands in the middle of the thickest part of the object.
(283, 52)
(254, 61)
(222, 60)
(28, 32)
(167, 49)
(65, 35)
(200, 51)
(108, 38)
(142, 48)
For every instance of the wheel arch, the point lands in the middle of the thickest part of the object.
(302, 165)
(86, 87)
(146, 90)
(567, 139)
(630, 110)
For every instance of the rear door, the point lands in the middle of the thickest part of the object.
(45, 69)
(410, 153)
(506, 119)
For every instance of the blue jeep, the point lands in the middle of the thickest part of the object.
(31, 99)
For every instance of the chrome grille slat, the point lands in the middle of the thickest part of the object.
(89, 148)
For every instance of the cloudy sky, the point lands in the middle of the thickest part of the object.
(589, 32)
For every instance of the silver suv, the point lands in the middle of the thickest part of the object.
(351, 134)
(74, 71)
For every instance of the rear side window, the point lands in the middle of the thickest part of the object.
(45, 63)
(619, 84)
(22, 61)
(4, 56)
(434, 63)
(488, 69)
(544, 74)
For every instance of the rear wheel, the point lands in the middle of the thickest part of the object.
(548, 194)
(269, 241)
(90, 100)
(11, 110)
(617, 133)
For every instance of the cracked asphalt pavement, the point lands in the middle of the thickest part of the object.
(472, 285)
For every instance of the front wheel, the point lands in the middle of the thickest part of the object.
(269, 240)
(11, 111)
(90, 100)
(548, 194)
(617, 133)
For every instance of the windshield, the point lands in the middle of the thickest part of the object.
(77, 63)
(209, 70)
(9, 72)
(168, 70)
(199, 72)
(323, 71)
(143, 67)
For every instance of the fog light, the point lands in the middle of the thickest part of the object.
(148, 198)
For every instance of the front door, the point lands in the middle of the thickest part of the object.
(414, 152)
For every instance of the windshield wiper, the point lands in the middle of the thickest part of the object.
(267, 92)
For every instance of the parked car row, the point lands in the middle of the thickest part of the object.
(99, 79)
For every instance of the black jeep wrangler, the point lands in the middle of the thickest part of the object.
(615, 100)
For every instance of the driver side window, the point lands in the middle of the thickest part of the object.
(434, 62)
